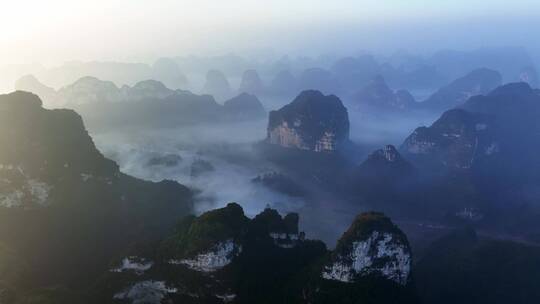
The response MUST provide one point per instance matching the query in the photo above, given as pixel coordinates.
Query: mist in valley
(267, 152)
(229, 148)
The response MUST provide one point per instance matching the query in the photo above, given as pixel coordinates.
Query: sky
(54, 31)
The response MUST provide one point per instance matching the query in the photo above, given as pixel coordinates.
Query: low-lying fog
(227, 148)
(170, 154)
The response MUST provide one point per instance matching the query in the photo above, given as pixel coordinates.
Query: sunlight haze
(50, 32)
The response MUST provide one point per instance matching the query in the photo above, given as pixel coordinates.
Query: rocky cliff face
(233, 256)
(313, 122)
(477, 82)
(386, 160)
(515, 108)
(210, 242)
(483, 152)
(497, 130)
(457, 140)
(373, 245)
(217, 257)
(376, 95)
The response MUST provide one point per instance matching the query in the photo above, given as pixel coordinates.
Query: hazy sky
(52, 31)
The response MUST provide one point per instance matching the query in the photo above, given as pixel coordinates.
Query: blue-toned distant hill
(148, 103)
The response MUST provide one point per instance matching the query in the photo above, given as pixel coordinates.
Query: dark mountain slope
(65, 208)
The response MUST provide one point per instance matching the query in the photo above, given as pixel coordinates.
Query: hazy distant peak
(516, 88)
(93, 81)
(477, 82)
(251, 82)
(30, 83)
(217, 85)
(245, 106)
(150, 84)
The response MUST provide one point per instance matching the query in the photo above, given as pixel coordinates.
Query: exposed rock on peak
(211, 241)
(234, 256)
(500, 129)
(313, 122)
(373, 246)
(456, 140)
(478, 82)
(388, 154)
(283, 230)
(251, 83)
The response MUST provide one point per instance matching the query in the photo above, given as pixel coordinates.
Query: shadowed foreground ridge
(56, 190)
(268, 260)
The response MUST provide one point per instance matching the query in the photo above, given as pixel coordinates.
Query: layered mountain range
(496, 130)
(376, 95)
(105, 237)
(104, 105)
(57, 188)
(476, 82)
(476, 159)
